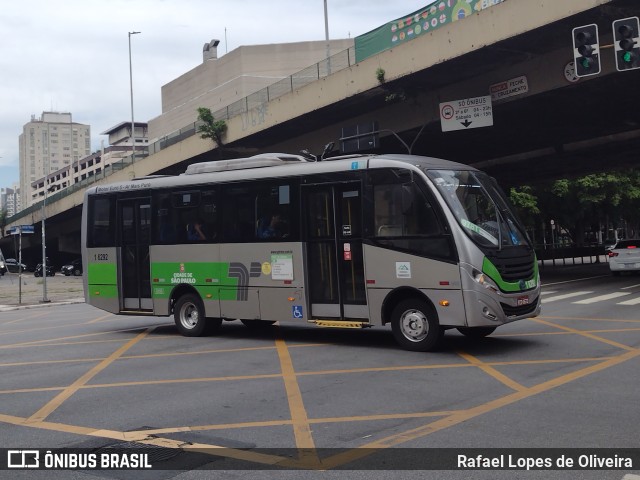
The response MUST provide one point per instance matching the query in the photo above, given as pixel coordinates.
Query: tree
(592, 203)
(211, 128)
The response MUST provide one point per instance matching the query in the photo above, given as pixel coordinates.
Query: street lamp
(326, 35)
(44, 243)
(133, 125)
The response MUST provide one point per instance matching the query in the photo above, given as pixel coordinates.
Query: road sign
(18, 229)
(509, 88)
(467, 113)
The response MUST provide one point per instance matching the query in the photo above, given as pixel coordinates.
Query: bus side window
(102, 228)
(274, 212)
(238, 214)
(166, 230)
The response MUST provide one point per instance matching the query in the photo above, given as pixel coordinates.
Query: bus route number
(101, 257)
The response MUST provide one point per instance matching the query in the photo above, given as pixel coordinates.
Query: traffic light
(586, 50)
(625, 36)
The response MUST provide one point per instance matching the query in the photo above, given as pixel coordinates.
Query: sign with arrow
(467, 113)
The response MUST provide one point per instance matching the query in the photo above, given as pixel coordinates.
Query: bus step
(340, 323)
(136, 312)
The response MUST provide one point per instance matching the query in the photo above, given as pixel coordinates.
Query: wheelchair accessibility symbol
(296, 311)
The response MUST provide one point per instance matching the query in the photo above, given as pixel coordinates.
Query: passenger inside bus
(271, 226)
(195, 232)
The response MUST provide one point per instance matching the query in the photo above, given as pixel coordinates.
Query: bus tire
(415, 326)
(257, 324)
(189, 316)
(476, 332)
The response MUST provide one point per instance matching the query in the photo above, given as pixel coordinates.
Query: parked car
(50, 270)
(73, 268)
(3, 267)
(13, 265)
(625, 257)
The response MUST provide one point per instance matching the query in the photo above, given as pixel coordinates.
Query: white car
(625, 257)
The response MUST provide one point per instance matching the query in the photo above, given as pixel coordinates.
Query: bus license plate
(523, 301)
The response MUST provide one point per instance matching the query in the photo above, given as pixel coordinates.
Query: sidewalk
(60, 289)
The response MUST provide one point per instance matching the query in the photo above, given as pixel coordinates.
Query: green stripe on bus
(103, 291)
(210, 279)
(102, 273)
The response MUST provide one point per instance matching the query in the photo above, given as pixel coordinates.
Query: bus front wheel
(415, 326)
(190, 318)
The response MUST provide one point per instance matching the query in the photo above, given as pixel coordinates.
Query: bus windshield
(480, 207)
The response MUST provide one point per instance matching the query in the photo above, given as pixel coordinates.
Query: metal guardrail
(569, 255)
(324, 68)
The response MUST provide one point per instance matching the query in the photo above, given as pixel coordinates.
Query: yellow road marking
(300, 421)
(464, 415)
(299, 418)
(278, 375)
(84, 335)
(59, 399)
(99, 319)
(489, 370)
(590, 319)
(586, 334)
(31, 317)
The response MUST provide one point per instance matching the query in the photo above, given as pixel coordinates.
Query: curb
(25, 306)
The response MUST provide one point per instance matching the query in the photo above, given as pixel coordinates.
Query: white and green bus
(417, 243)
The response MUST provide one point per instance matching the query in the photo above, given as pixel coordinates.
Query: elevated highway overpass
(556, 127)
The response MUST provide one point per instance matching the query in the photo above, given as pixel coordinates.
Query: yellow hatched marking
(489, 370)
(585, 334)
(59, 399)
(464, 415)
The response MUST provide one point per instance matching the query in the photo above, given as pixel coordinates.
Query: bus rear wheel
(190, 319)
(415, 325)
(476, 332)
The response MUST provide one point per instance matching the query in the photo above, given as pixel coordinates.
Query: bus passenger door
(134, 218)
(333, 233)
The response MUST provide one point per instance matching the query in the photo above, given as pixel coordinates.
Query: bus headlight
(483, 280)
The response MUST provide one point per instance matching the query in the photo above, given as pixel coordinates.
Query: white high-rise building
(48, 144)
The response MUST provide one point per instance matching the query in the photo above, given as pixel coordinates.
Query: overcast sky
(72, 55)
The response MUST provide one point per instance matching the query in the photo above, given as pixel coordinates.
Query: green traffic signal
(586, 63)
(586, 50)
(626, 32)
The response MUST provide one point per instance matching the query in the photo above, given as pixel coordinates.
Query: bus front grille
(515, 264)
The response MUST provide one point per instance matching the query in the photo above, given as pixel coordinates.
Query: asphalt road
(286, 401)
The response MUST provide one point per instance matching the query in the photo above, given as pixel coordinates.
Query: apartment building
(47, 144)
(94, 165)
